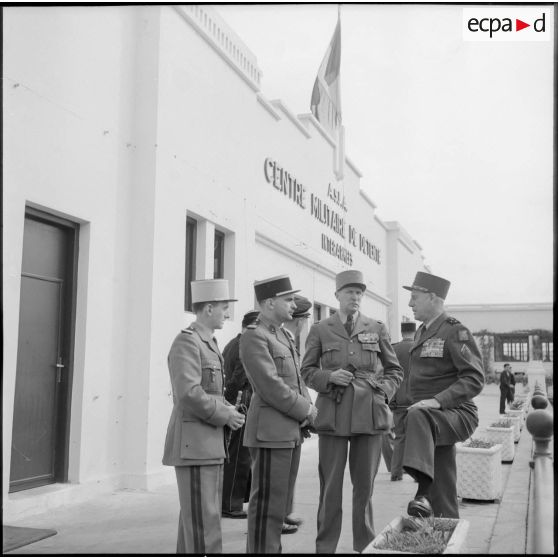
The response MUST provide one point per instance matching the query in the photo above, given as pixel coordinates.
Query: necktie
(349, 325)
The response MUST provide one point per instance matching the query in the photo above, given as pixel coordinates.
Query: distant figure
(445, 373)
(236, 474)
(507, 387)
(402, 399)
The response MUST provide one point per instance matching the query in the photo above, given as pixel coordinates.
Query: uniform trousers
(236, 474)
(364, 458)
(430, 435)
(399, 414)
(199, 525)
(274, 472)
(505, 395)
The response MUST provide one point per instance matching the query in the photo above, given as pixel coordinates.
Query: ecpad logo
(507, 24)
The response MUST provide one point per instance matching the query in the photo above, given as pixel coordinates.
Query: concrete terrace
(138, 522)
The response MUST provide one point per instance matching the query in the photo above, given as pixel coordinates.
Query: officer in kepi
(195, 444)
(445, 373)
(280, 408)
(343, 359)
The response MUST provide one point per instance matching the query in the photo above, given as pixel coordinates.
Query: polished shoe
(234, 514)
(291, 520)
(396, 477)
(419, 507)
(288, 529)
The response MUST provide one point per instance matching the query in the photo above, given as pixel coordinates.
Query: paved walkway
(137, 522)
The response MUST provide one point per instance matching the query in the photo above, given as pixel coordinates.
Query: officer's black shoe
(234, 514)
(288, 529)
(419, 507)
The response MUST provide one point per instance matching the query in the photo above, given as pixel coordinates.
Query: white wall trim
(309, 117)
(268, 106)
(274, 245)
(278, 103)
(226, 43)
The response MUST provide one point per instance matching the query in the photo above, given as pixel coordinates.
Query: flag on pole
(326, 95)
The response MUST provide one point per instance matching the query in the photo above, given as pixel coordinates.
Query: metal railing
(540, 424)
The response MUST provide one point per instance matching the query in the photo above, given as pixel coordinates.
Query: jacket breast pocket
(211, 380)
(370, 354)
(331, 356)
(282, 361)
(199, 440)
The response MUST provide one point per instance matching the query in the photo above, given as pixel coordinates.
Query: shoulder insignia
(452, 321)
(463, 335)
(251, 326)
(188, 330)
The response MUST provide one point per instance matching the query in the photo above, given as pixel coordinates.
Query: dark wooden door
(42, 381)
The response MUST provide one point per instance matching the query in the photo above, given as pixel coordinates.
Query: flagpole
(340, 148)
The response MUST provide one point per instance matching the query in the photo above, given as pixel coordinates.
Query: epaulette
(382, 323)
(452, 321)
(188, 330)
(254, 324)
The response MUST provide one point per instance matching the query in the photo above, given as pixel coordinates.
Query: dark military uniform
(280, 403)
(357, 414)
(399, 405)
(507, 389)
(236, 477)
(194, 443)
(445, 364)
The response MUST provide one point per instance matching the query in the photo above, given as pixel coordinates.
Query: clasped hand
(341, 377)
(236, 420)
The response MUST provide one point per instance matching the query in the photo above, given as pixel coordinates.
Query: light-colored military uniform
(195, 440)
(445, 364)
(357, 413)
(279, 404)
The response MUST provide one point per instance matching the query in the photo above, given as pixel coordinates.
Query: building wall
(504, 318)
(127, 120)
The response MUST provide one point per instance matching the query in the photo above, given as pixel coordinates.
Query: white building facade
(140, 153)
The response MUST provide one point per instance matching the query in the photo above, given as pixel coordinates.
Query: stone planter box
(516, 423)
(456, 543)
(517, 413)
(479, 472)
(503, 436)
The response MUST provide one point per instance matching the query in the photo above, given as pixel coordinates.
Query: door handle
(59, 367)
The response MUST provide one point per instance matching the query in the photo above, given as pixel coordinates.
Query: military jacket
(195, 432)
(446, 364)
(402, 352)
(361, 407)
(280, 400)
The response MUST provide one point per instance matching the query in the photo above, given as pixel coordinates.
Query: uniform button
(352, 353)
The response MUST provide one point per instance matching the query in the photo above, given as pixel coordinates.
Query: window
(547, 351)
(514, 348)
(218, 255)
(191, 239)
(317, 312)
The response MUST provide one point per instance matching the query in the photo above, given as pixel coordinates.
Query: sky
(453, 137)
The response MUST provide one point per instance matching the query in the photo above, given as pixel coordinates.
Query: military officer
(445, 373)
(194, 444)
(280, 407)
(401, 400)
(341, 362)
(236, 475)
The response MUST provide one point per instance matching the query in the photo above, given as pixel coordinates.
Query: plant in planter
(412, 535)
(502, 432)
(479, 469)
